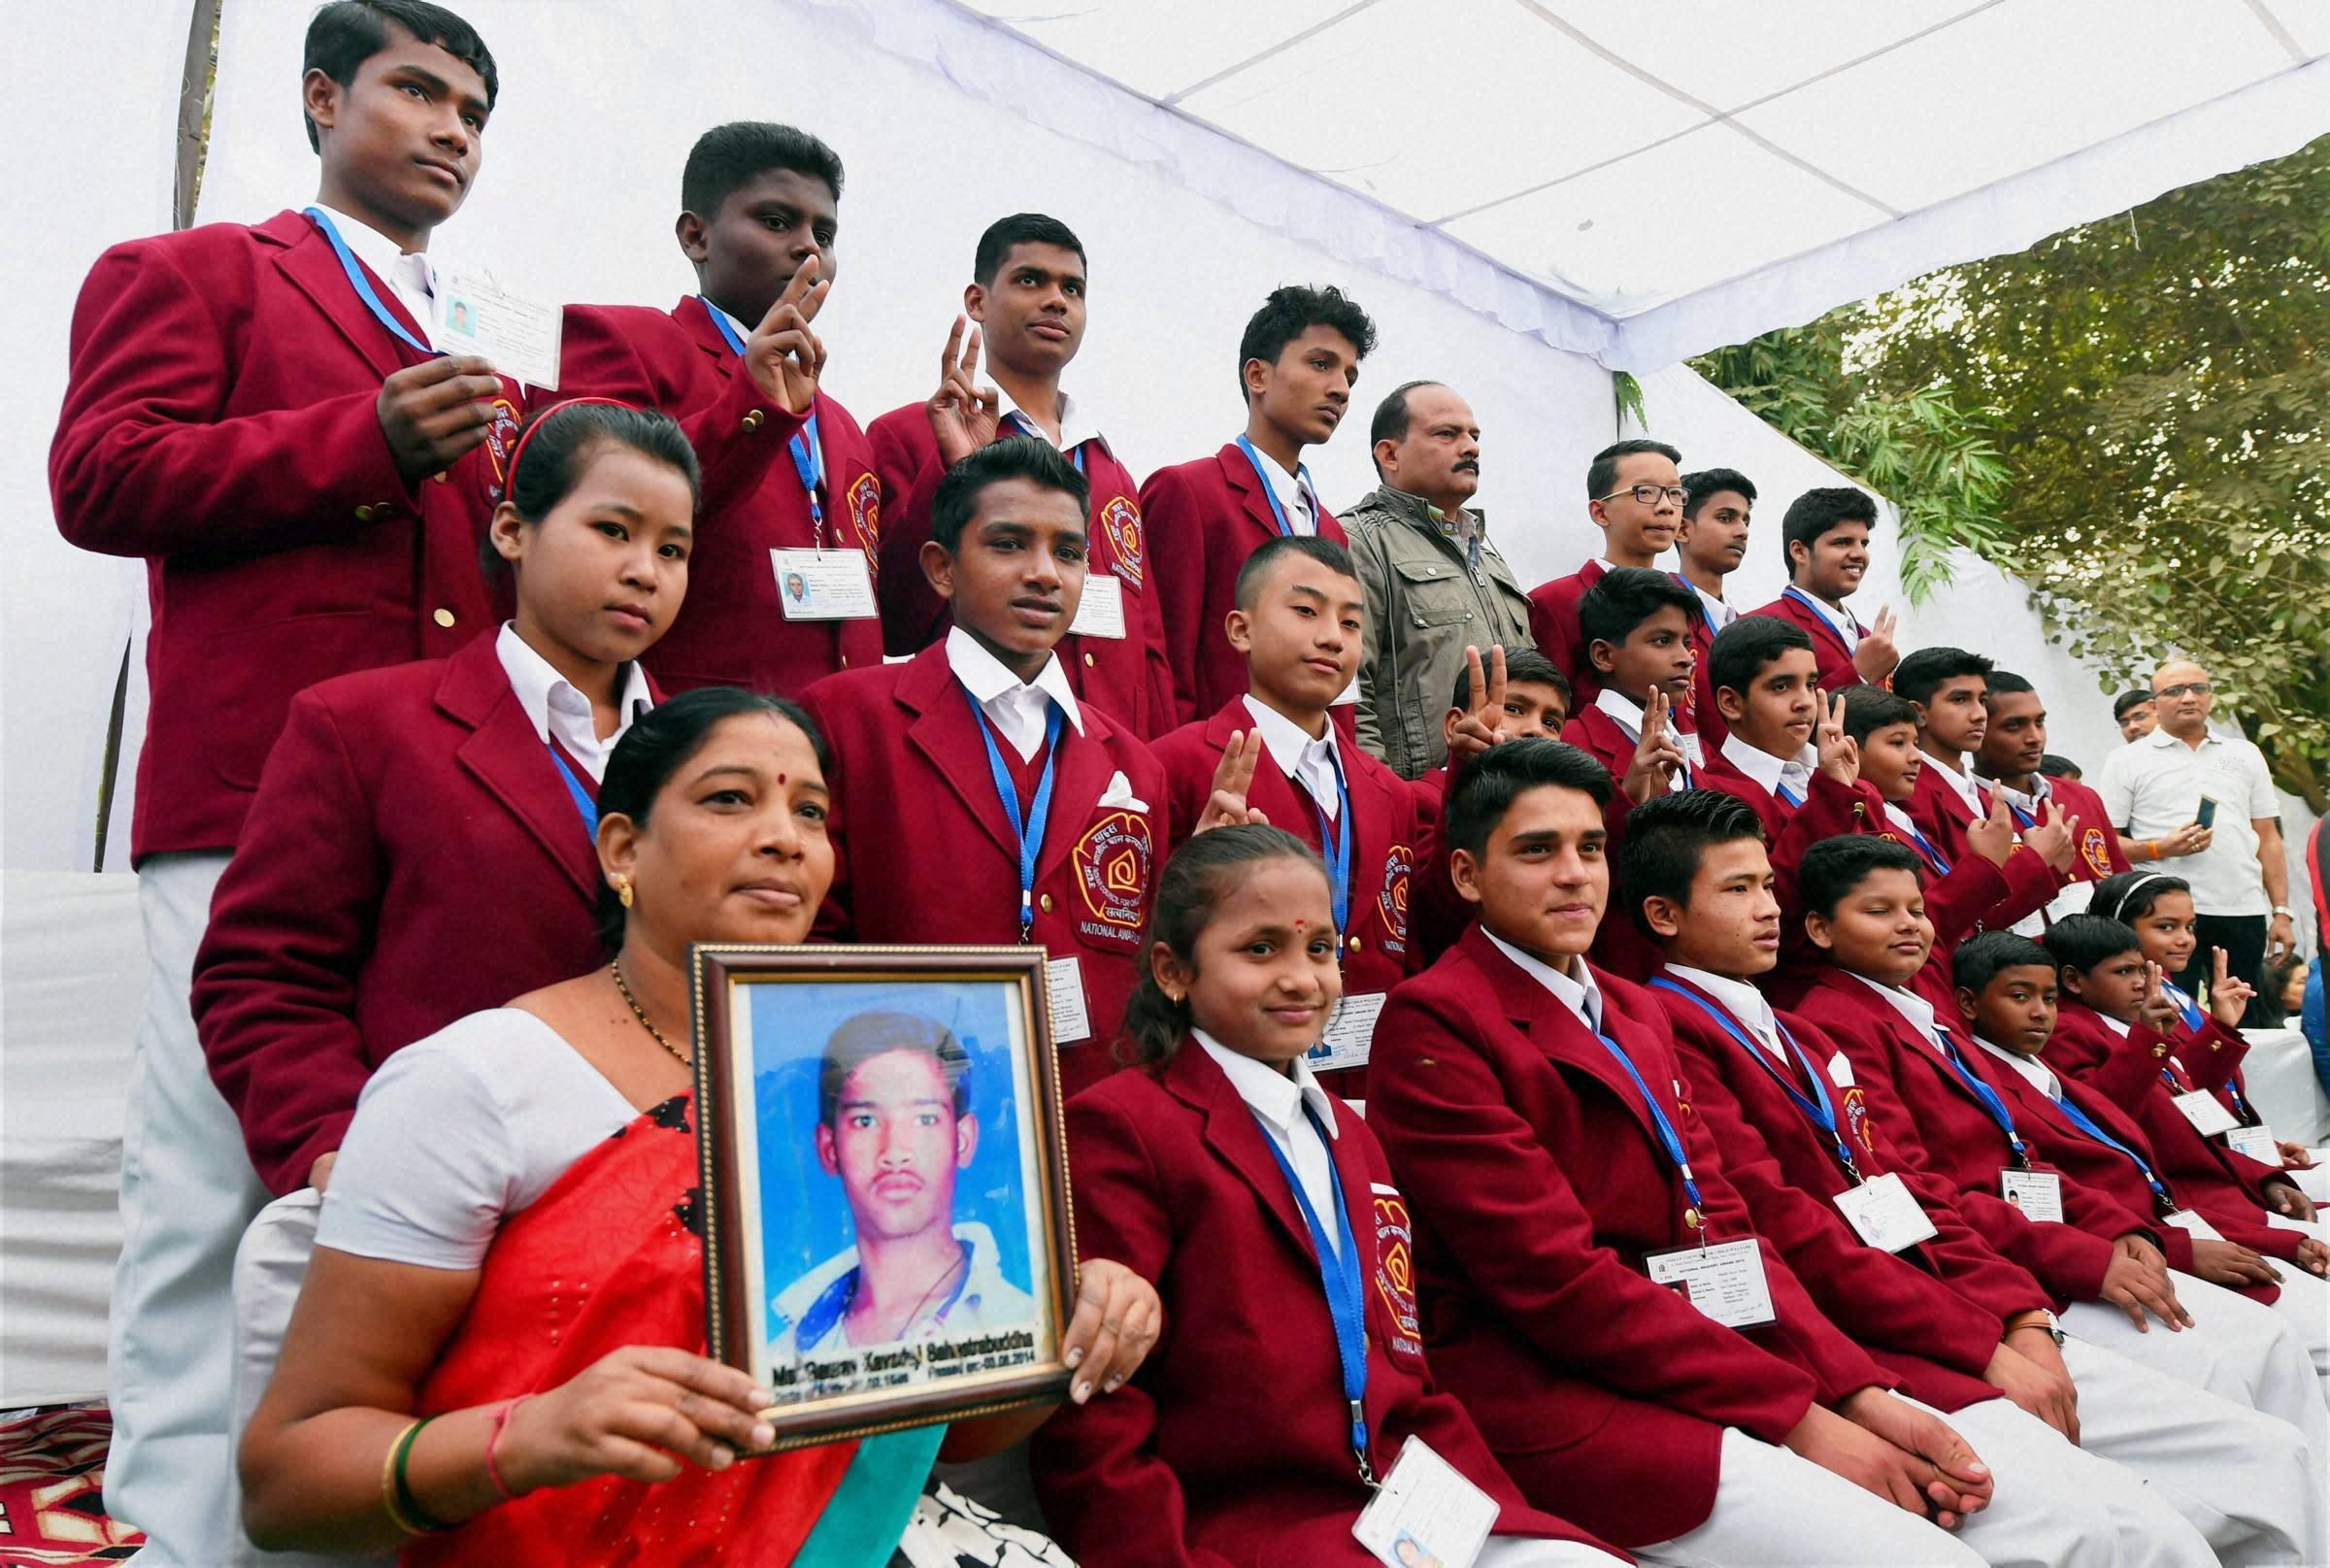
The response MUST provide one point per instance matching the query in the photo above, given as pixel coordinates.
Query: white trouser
(2054, 1505)
(2314, 1181)
(1776, 1510)
(2236, 1347)
(2244, 1479)
(188, 1190)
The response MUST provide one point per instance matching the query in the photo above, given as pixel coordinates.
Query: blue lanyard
(809, 456)
(1695, 1215)
(2186, 1008)
(1030, 830)
(1820, 1112)
(1027, 427)
(1336, 838)
(1339, 1271)
(1983, 1091)
(589, 807)
(363, 285)
(1270, 494)
(1783, 793)
(1925, 847)
(2086, 1124)
(2022, 819)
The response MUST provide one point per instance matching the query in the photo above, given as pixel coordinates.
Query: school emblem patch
(865, 515)
(1392, 899)
(2095, 852)
(1856, 1120)
(1112, 873)
(1395, 1269)
(1120, 521)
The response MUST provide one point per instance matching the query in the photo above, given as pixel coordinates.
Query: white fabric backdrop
(114, 71)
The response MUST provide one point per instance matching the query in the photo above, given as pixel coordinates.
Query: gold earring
(623, 889)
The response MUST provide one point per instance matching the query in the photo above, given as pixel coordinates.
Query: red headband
(545, 418)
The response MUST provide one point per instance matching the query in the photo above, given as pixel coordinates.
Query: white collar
(2042, 790)
(1293, 495)
(374, 248)
(1909, 1004)
(1767, 770)
(1899, 816)
(1843, 619)
(1283, 739)
(2159, 739)
(2034, 1070)
(540, 687)
(1741, 1000)
(1622, 708)
(983, 676)
(1075, 426)
(1578, 992)
(1719, 613)
(2109, 1022)
(1960, 779)
(1279, 1099)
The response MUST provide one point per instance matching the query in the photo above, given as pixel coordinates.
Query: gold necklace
(617, 970)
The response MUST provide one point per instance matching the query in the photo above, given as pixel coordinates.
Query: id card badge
(2208, 1114)
(1100, 613)
(2192, 1224)
(1426, 1512)
(1350, 1032)
(1064, 991)
(823, 584)
(2038, 1195)
(1724, 1280)
(476, 316)
(1885, 1214)
(2257, 1142)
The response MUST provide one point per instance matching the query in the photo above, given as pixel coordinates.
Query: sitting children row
(1506, 1090)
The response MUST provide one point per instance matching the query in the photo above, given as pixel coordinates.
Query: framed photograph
(887, 1240)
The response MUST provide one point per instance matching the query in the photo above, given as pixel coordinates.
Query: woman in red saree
(508, 1245)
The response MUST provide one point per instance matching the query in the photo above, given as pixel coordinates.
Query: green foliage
(2130, 417)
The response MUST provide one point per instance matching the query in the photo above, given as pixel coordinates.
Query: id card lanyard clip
(1028, 829)
(1340, 1273)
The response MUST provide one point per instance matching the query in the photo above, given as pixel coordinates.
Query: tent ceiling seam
(1173, 100)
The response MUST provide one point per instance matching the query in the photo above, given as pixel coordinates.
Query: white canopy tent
(1523, 193)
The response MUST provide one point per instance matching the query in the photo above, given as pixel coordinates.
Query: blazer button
(752, 420)
(1087, 658)
(363, 513)
(1355, 943)
(440, 477)
(442, 617)
(1043, 903)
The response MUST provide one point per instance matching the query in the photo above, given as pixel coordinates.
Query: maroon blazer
(1942, 817)
(398, 806)
(732, 630)
(1831, 658)
(1934, 1313)
(1952, 1135)
(1375, 948)
(923, 850)
(2222, 1185)
(1130, 676)
(1553, 629)
(1232, 1444)
(222, 423)
(1538, 1184)
(1590, 729)
(1205, 517)
(1703, 714)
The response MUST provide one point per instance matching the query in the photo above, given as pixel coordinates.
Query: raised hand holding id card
(519, 335)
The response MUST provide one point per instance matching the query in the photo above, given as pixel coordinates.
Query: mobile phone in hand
(2206, 815)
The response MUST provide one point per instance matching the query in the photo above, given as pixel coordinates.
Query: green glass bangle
(415, 1518)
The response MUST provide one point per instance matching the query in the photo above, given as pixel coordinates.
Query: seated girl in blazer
(1223, 1171)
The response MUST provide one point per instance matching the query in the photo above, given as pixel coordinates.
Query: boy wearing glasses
(2205, 800)
(1634, 493)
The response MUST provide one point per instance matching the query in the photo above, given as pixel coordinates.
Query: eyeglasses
(1648, 494)
(2199, 689)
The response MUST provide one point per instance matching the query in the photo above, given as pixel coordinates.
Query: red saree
(609, 1256)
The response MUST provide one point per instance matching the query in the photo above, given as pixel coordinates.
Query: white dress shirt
(407, 273)
(1278, 1100)
(557, 709)
(1077, 427)
(1575, 991)
(1719, 613)
(1295, 495)
(2034, 1070)
(1018, 709)
(1838, 617)
(1315, 764)
(1747, 1006)
(1772, 772)
(1909, 1004)
(1629, 714)
(1961, 782)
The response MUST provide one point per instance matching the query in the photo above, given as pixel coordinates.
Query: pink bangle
(493, 1442)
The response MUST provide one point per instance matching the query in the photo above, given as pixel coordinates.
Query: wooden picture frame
(843, 1093)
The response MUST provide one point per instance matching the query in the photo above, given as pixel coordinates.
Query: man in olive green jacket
(1435, 584)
